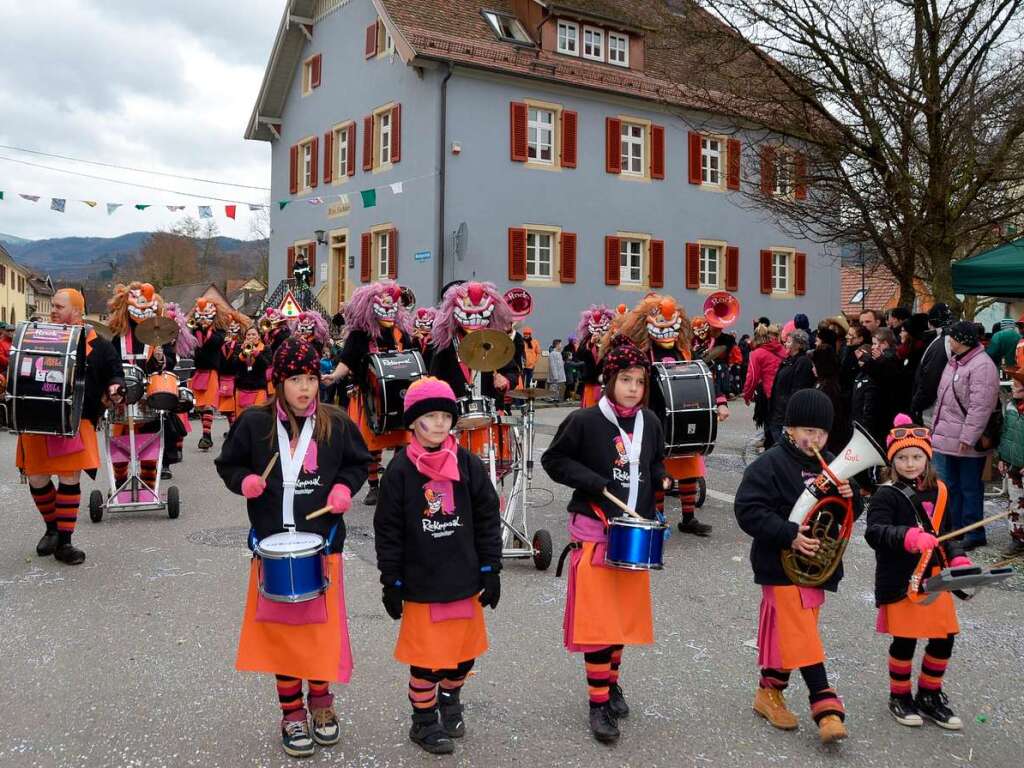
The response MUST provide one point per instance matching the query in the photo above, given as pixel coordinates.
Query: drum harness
(926, 523)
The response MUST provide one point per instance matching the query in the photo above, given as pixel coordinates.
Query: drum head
(683, 396)
(290, 543)
(46, 378)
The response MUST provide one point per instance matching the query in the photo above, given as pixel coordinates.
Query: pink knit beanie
(428, 394)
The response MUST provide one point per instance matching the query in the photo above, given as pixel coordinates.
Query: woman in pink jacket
(765, 359)
(967, 395)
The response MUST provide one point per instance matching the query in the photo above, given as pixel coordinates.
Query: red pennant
(229, 211)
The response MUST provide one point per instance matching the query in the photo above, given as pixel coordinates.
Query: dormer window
(593, 43)
(569, 38)
(618, 49)
(507, 28)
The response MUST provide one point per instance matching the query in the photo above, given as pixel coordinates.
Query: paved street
(127, 660)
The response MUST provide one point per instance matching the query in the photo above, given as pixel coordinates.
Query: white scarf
(291, 465)
(632, 446)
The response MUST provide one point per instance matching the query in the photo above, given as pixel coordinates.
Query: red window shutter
(694, 152)
(732, 268)
(733, 154)
(328, 157)
(766, 271)
(368, 143)
(613, 156)
(800, 172)
(396, 133)
(516, 253)
(692, 265)
(293, 173)
(570, 128)
(393, 254)
(567, 260)
(800, 273)
(365, 246)
(314, 154)
(657, 152)
(291, 260)
(371, 40)
(612, 265)
(352, 149)
(517, 131)
(767, 170)
(311, 257)
(317, 73)
(657, 263)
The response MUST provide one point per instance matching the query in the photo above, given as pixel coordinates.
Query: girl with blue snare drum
(615, 446)
(312, 458)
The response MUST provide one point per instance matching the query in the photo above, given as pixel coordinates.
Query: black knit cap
(295, 357)
(623, 354)
(964, 332)
(809, 408)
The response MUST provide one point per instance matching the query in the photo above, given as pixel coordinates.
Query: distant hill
(9, 241)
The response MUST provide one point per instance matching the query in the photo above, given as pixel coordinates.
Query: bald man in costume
(41, 457)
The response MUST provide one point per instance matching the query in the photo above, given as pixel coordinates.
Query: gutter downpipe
(440, 270)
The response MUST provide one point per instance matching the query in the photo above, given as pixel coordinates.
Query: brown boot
(769, 704)
(831, 728)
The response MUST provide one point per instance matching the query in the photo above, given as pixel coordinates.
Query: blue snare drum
(635, 544)
(292, 567)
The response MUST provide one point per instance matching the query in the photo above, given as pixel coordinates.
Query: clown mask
(205, 313)
(385, 306)
(306, 328)
(598, 324)
(473, 310)
(141, 304)
(664, 323)
(424, 323)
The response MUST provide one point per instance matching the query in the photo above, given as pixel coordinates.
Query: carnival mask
(423, 323)
(385, 306)
(664, 323)
(473, 311)
(205, 313)
(598, 324)
(141, 304)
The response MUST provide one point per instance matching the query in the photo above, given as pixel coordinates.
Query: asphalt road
(127, 660)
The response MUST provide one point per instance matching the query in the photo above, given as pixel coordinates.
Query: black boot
(165, 474)
(371, 497)
(933, 705)
(48, 544)
(603, 725)
(691, 525)
(430, 734)
(205, 443)
(68, 553)
(451, 713)
(617, 702)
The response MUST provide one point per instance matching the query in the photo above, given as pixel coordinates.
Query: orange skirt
(439, 644)
(907, 619)
(305, 651)
(685, 467)
(32, 457)
(227, 404)
(209, 397)
(788, 636)
(591, 395)
(608, 606)
(374, 442)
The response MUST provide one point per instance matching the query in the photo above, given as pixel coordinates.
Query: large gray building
(556, 147)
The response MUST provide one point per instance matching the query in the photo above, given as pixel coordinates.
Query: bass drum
(46, 379)
(388, 377)
(683, 396)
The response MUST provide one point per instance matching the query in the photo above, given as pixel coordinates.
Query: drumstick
(318, 513)
(270, 466)
(618, 503)
(972, 526)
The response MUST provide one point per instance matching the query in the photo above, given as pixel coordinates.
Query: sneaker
(694, 527)
(603, 725)
(430, 734)
(47, 545)
(371, 497)
(295, 738)
(903, 709)
(326, 729)
(770, 704)
(617, 702)
(933, 705)
(205, 443)
(69, 554)
(451, 713)
(831, 729)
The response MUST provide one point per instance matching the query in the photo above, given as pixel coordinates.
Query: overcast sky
(162, 86)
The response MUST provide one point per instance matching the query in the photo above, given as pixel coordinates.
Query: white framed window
(569, 38)
(711, 160)
(541, 135)
(631, 261)
(710, 266)
(307, 77)
(384, 142)
(306, 169)
(507, 28)
(783, 174)
(781, 280)
(342, 147)
(618, 49)
(593, 43)
(540, 250)
(383, 252)
(385, 43)
(632, 148)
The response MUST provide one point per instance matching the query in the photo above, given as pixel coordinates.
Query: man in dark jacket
(795, 373)
(933, 362)
(885, 370)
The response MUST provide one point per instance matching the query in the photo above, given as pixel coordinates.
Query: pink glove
(960, 561)
(253, 486)
(339, 499)
(918, 540)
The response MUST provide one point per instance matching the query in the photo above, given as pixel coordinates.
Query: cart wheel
(173, 503)
(96, 506)
(702, 492)
(542, 550)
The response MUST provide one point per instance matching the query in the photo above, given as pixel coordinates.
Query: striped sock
(289, 694)
(613, 676)
(45, 499)
(776, 679)
(598, 665)
(901, 665)
(826, 702)
(422, 689)
(452, 680)
(932, 671)
(320, 696)
(688, 497)
(68, 499)
(207, 423)
(374, 470)
(147, 472)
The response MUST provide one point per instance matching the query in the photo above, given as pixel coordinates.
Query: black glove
(491, 592)
(392, 599)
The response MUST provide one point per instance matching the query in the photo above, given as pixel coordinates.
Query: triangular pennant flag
(256, 207)
(229, 211)
(1, 194)
(57, 204)
(398, 187)
(90, 203)
(30, 198)
(142, 206)
(111, 207)
(281, 204)
(175, 208)
(369, 198)
(205, 212)
(289, 306)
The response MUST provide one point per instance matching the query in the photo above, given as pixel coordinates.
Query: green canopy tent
(998, 272)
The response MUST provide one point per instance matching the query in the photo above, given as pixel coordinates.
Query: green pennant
(281, 204)
(369, 198)
(142, 206)
(1, 194)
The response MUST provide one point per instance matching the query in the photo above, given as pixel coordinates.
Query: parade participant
(438, 539)
(787, 637)
(374, 317)
(420, 330)
(905, 517)
(616, 446)
(228, 363)
(40, 457)
(184, 348)
(208, 323)
(274, 328)
(312, 327)
(251, 366)
(594, 324)
(320, 462)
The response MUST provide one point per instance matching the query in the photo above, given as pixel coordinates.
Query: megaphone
(721, 309)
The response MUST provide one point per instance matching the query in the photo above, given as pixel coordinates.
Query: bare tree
(167, 259)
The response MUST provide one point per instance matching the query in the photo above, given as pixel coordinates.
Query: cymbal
(532, 393)
(486, 350)
(157, 331)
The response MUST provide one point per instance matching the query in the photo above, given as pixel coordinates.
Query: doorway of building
(339, 261)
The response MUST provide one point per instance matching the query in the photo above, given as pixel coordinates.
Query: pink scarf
(440, 466)
(621, 411)
(309, 461)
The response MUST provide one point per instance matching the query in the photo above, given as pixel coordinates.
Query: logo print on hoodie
(434, 501)
(620, 447)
